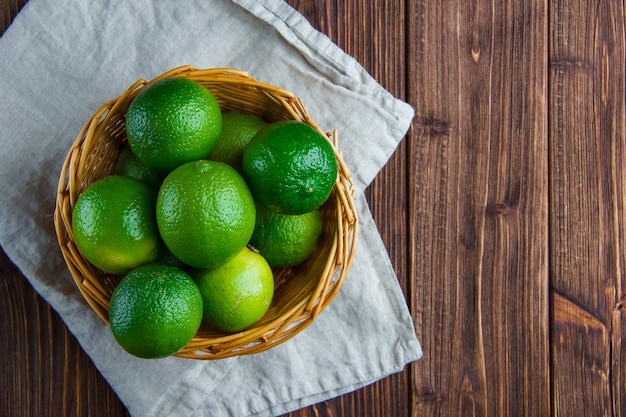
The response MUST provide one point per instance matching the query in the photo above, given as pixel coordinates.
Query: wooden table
(502, 211)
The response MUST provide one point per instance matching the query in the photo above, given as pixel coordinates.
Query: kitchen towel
(59, 61)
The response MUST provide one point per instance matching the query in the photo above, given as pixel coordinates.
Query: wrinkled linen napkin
(59, 61)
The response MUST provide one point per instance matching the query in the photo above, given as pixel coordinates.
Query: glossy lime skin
(205, 213)
(238, 294)
(114, 224)
(286, 239)
(290, 167)
(173, 121)
(155, 311)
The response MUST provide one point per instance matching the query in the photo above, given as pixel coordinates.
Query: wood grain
(8, 10)
(587, 206)
(479, 195)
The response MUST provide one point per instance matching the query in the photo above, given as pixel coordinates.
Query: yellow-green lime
(237, 294)
(155, 311)
(205, 213)
(115, 226)
(286, 239)
(290, 167)
(173, 121)
(128, 164)
(237, 130)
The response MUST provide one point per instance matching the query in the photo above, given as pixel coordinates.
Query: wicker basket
(301, 292)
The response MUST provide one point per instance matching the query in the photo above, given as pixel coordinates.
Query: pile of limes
(204, 203)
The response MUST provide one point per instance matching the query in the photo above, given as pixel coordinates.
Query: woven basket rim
(236, 86)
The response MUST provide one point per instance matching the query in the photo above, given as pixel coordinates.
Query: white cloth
(59, 61)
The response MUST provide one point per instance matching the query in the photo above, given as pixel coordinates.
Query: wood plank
(587, 191)
(480, 229)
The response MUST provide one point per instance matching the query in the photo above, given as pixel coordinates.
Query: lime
(237, 294)
(173, 121)
(290, 167)
(285, 239)
(115, 226)
(237, 130)
(205, 213)
(128, 164)
(155, 311)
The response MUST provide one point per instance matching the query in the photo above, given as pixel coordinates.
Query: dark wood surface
(502, 211)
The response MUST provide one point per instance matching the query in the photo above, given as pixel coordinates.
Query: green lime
(128, 164)
(237, 294)
(205, 213)
(115, 226)
(286, 239)
(290, 167)
(155, 311)
(173, 121)
(237, 131)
